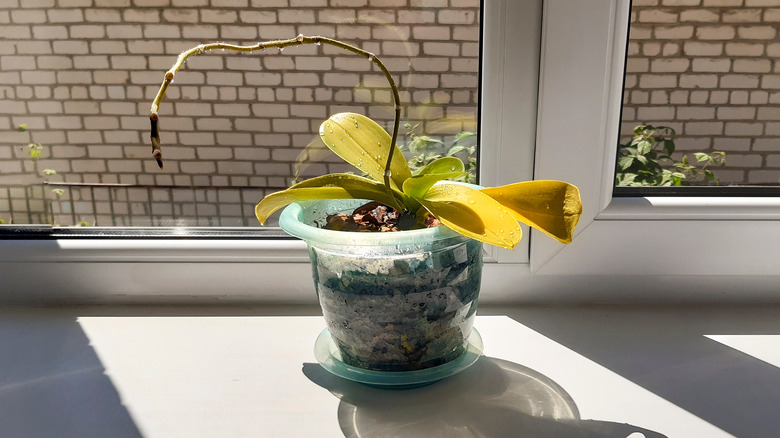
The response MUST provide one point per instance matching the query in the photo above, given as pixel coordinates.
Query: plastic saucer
(328, 355)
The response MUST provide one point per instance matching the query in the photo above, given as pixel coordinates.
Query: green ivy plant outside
(640, 161)
(488, 215)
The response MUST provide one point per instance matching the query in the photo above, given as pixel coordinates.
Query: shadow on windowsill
(52, 383)
(493, 398)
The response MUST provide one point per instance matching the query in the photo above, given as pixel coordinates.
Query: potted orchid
(401, 299)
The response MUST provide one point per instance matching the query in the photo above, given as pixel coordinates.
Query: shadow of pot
(493, 398)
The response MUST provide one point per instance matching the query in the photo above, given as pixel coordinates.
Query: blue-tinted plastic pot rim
(291, 222)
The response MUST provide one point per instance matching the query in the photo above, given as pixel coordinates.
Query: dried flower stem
(280, 44)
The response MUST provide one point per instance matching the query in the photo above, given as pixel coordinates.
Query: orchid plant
(489, 215)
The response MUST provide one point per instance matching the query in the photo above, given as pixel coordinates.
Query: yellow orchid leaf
(473, 214)
(443, 165)
(335, 186)
(553, 207)
(418, 185)
(364, 144)
(435, 171)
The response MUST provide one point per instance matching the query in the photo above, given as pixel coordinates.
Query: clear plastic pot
(393, 301)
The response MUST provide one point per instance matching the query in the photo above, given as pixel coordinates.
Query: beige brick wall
(709, 69)
(82, 73)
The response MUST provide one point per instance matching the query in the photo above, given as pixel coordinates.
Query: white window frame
(645, 248)
(625, 249)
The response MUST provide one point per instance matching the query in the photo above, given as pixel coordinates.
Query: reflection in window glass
(708, 71)
(77, 81)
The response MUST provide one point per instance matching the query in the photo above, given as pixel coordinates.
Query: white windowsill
(691, 208)
(210, 371)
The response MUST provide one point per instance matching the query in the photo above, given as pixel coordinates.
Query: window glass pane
(709, 71)
(78, 78)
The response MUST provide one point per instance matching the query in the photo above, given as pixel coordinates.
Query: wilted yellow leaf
(334, 186)
(473, 214)
(553, 207)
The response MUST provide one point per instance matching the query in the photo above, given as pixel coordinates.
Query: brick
(161, 31)
(90, 62)
(107, 47)
(704, 128)
(257, 17)
(193, 109)
(731, 144)
(32, 47)
(761, 3)
(197, 167)
(145, 47)
(711, 65)
(300, 80)
(695, 113)
(87, 31)
(657, 81)
(657, 16)
(124, 31)
(744, 49)
(771, 15)
(74, 77)
(17, 62)
(238, 32)
(721, 3)
(698, 81)
(141, 15)
(446, 16)
(200, 32)
(416, 17)
(38, 77)
(233, 167)
(656, 113)
(50, 32)
(180, 15)
(70, 47)
(128, 62)
(674, 32)
(428, 3)
(218, 16)
(742, 16)
(759, 97)
(699, 16)
(231, 109)
(671, 49)
(694, 48)
(81, 136)
(768, 113)
(28, 16)
(272, 169)
(744, 129)
(61, 15)
(757, 32)
(102, 15)
(670, 65)
(736, 113)
(44, 107)
(715, 32)
(295, 16)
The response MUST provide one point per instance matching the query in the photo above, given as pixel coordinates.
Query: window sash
(625, 249)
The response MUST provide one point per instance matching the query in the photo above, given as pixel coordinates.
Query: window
(705, 70)
(78, 81)
(641, 248)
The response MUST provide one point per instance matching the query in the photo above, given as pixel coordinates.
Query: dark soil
(373, 217)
